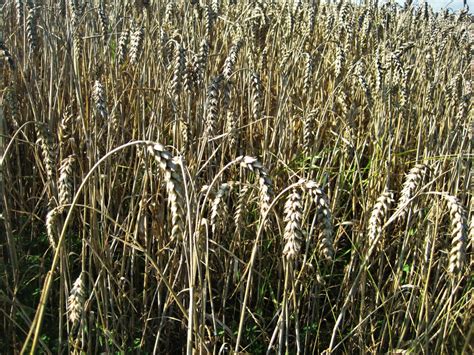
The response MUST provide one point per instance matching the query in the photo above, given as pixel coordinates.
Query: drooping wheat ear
(31, 30)
(98, 95)
(293, 233)
(5, 55)
(360, 75)
(257, 99)
(411, 185)
(377, 217)
(219, 208)
(51, 224)
(122, 46)
(179, 65)
(323, 218)
(231, 59)
(200, 61)
(174, 186)
(103, 20)
(44, 140)
(212, 105)
(75, 301)
(340, 61)
(136, 44)
(240, 207)
(457, 254)
(308, 73)
(64, 181)
(308, 131)
(264, 181)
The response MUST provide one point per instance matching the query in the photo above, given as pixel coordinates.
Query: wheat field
(235, 177)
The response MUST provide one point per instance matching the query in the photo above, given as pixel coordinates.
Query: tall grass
(231, 176)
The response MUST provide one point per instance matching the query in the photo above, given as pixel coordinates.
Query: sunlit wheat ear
(471, 233)
(257, 100)
(340, 61)
(411, 185)
(75, 301)
(65, 128)
(103, 20)
(403, 89)
(208, 22)
(64, 181)
(308, 131)
(377, 217)
(179, 66)
(215, 6)
(263, 60)
(200, 61)
(310, 20)
(457, 254)
(212, 105)
(463, 108)
(136, 44)
(264, 181)
(308, 74)
(19, 12)
(324, 219)
(219, 208)
(98, 95)
(231, 129)
(31, 26)
(240, 206)
(122, 47)
(379, 72)
(293, 234)
(189, 78)
(169, 12)
(360, 75)
(44, 140)
(174, 187)
(51, 220)
(231, 59)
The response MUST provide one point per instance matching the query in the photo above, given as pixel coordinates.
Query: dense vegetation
(237, 176)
